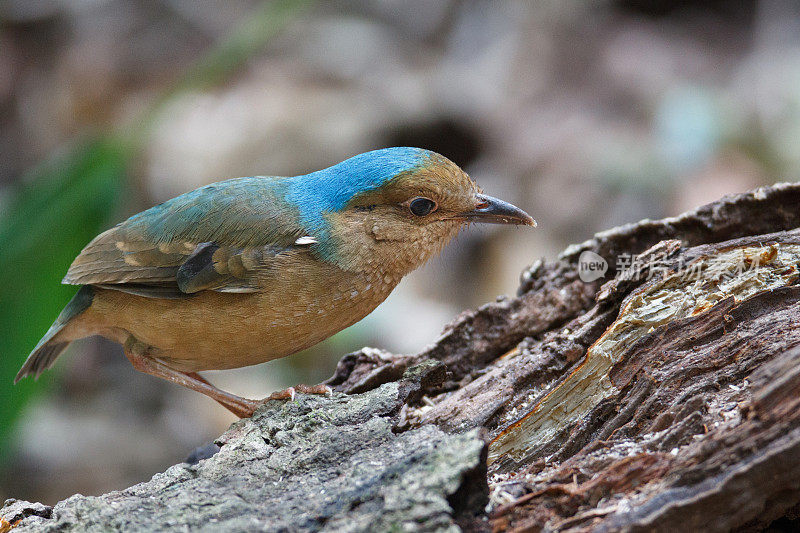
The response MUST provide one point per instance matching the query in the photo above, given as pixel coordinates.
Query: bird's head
(397, 207)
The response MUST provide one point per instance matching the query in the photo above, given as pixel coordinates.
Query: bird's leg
(241, 407)
(286, 394)
(250, 405)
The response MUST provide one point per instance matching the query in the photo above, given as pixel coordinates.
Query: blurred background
(587, 114)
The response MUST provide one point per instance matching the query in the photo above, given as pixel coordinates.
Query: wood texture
(660, 398)
(684, 412)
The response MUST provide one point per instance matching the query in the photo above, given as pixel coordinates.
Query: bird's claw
(289, 393)
(314, 389)
(285, 394)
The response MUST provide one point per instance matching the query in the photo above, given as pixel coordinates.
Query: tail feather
(41, 359)
(50, 347)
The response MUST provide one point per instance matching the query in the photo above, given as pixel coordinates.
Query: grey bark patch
(314, 464)
(14, 510)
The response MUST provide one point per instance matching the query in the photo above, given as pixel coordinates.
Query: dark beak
(496, 211)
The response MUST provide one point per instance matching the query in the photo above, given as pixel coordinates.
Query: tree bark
(663, 395)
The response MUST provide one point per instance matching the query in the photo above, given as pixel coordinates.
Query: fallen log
(661, 395)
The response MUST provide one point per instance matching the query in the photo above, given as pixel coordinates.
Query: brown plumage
(249, 270)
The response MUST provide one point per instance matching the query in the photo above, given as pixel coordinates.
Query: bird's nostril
(482, 205)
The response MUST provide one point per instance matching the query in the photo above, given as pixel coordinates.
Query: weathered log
(314, 463)
(654, 398)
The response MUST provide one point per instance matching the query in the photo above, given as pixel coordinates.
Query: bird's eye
(422, 206)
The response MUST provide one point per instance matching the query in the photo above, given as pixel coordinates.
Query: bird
(248, 270)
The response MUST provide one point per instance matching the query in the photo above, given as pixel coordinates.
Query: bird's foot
(245, 408)
(288, 394)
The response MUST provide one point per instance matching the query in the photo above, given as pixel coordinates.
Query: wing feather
(224, 237)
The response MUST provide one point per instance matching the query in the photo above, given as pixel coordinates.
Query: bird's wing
(223, 237)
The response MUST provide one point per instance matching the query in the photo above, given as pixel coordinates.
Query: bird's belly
(214, 331)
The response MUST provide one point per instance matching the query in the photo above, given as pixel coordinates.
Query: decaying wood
(662, 397)
(647, 399)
